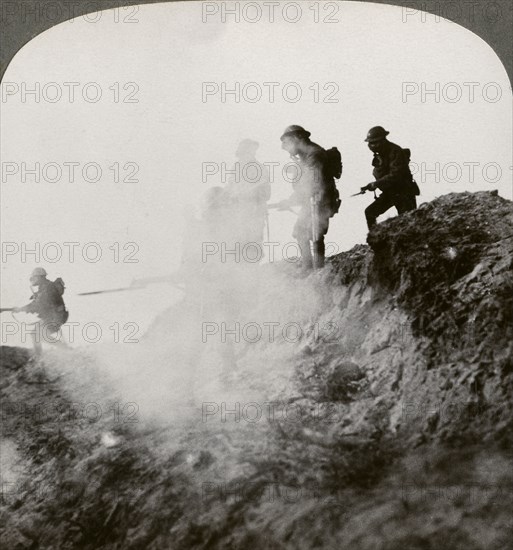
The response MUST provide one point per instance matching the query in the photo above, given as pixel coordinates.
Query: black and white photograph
(256, 275)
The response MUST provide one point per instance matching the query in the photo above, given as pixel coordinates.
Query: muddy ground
(387, 426)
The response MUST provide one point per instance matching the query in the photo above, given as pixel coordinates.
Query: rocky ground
(387, 426)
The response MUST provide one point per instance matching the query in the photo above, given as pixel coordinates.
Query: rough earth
(390, 424)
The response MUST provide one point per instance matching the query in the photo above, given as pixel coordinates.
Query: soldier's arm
(397, 172)
(31, 307)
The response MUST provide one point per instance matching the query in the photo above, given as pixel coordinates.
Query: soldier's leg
(405, 203)
(36, 337)
(319, 251)
(59, 339)
(319, 245)
(303, 233)
(50, 332)
(378, 207)
(303, 240)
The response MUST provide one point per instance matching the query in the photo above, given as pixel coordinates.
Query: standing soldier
(393, 177)
(248, 191)
(315, 191)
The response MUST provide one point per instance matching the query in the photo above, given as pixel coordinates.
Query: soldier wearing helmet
(313, 191)
(48, 305)
(392, 175)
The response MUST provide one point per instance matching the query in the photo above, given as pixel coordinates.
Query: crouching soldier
(314, 191)
(393, 177)
(47, 303)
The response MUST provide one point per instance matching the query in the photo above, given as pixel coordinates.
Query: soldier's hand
(370, 187)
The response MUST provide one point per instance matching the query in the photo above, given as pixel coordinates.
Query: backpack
(59, 285)
(414, 188)
(334, 162)
(334, 159)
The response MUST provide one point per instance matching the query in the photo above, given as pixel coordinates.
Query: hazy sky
(364, 58)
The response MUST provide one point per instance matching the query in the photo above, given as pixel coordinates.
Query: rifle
(279, 206)
(6, 309)
(105, 291)
(137, 284)
(364, 190)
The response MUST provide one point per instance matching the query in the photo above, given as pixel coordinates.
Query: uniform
(394, 179)
(48, 304)
(314, 183)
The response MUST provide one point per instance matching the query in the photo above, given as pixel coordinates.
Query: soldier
(248, 191)
(315, 191)
(49, 306)
(392, 174)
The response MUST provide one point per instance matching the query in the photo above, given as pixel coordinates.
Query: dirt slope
(390, 426)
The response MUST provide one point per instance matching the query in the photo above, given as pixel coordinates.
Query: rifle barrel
(137, 284)
(104, 291)
(281, 208)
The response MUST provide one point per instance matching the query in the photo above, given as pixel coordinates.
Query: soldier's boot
(406, 204)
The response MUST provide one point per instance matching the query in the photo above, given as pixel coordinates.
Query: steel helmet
(376, 133)
(295, 130)
(39, 272)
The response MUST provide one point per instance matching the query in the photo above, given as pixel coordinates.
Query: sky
(161, 120)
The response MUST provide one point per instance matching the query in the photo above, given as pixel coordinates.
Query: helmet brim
(370, 140)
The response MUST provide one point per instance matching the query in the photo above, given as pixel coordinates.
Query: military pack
(414, 187)
(59, 285)
(334, 170)
(334, 161)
